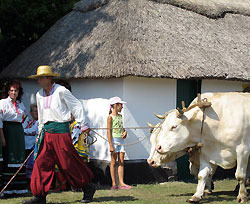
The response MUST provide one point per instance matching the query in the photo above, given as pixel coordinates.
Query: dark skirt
(1, 164)
(13, 157)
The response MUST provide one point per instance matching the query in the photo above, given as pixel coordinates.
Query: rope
(130, 144)
(202, 125)
(122, 128)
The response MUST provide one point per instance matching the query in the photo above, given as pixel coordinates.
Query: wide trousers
(58, 149)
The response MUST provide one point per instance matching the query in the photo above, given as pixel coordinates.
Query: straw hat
(44, 70)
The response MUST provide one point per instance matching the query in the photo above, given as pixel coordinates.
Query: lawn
(171, 192)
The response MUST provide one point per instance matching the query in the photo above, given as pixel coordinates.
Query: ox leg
(206, 169)
(209, 184)
(241, 172)
(237, 187)
(194, 170)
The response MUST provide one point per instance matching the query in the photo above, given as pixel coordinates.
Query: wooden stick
(183, 105)
(199, 97)
(16, 172)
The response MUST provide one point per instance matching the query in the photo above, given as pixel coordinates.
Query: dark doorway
(187, 90)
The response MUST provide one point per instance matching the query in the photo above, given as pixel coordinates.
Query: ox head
(171, 138)
(168, 138)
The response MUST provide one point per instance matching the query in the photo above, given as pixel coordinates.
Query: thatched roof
(117, 38)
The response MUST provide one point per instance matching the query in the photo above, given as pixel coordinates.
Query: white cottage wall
(94, 95)
(145, 96)
(220, 86)
(30, 87)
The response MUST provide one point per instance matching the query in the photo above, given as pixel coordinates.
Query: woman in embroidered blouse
(12, 114)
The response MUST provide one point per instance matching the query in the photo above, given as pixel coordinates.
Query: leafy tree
(22, 22)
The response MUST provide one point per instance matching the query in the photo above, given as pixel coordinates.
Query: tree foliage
(22, 22)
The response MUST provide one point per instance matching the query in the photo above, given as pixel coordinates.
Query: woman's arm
(109, 133)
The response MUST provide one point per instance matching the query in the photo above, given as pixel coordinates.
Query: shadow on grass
(220, 196)
(7, 196)
(104, 199)
(115, 198)
(213, 197)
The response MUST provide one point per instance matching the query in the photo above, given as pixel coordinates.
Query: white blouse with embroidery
(11, 111)
(30, 127)
(58, 106)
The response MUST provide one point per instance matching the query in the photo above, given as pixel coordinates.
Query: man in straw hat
(55, 104)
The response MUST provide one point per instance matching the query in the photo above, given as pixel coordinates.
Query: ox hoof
(242, 200)
(207, 192)
(193, 200)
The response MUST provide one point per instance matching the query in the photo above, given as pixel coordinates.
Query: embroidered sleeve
(33, 130)
(25, 122)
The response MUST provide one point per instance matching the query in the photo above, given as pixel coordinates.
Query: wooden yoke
(204, 103)
(201, 103)
(183, 105)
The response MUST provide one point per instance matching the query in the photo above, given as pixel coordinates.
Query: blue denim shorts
(121, 142)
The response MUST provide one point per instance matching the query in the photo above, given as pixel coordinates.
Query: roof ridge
(212, 8)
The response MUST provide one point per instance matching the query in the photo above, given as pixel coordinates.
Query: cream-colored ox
(221, 129)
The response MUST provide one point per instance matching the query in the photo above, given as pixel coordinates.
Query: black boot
(89, 191)
(36, 200)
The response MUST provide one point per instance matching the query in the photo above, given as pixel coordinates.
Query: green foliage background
(22, 22)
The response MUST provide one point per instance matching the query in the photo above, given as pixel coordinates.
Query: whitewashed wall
(220, 86)
(30, 87)
(144, 96)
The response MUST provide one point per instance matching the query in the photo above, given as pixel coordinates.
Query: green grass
(171, 192)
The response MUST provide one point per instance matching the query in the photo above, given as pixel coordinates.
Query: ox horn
(160, 116)
(150, 125)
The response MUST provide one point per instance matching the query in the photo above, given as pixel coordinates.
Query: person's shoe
(89, 191)
(126, 187)
(114, 188)
(36, 200)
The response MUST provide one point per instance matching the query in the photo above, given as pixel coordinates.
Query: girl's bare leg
(112, 167)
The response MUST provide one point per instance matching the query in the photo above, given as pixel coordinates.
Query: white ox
(225, 137)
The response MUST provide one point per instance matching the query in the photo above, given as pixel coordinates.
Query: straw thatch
(212, 8)
(117, 38)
